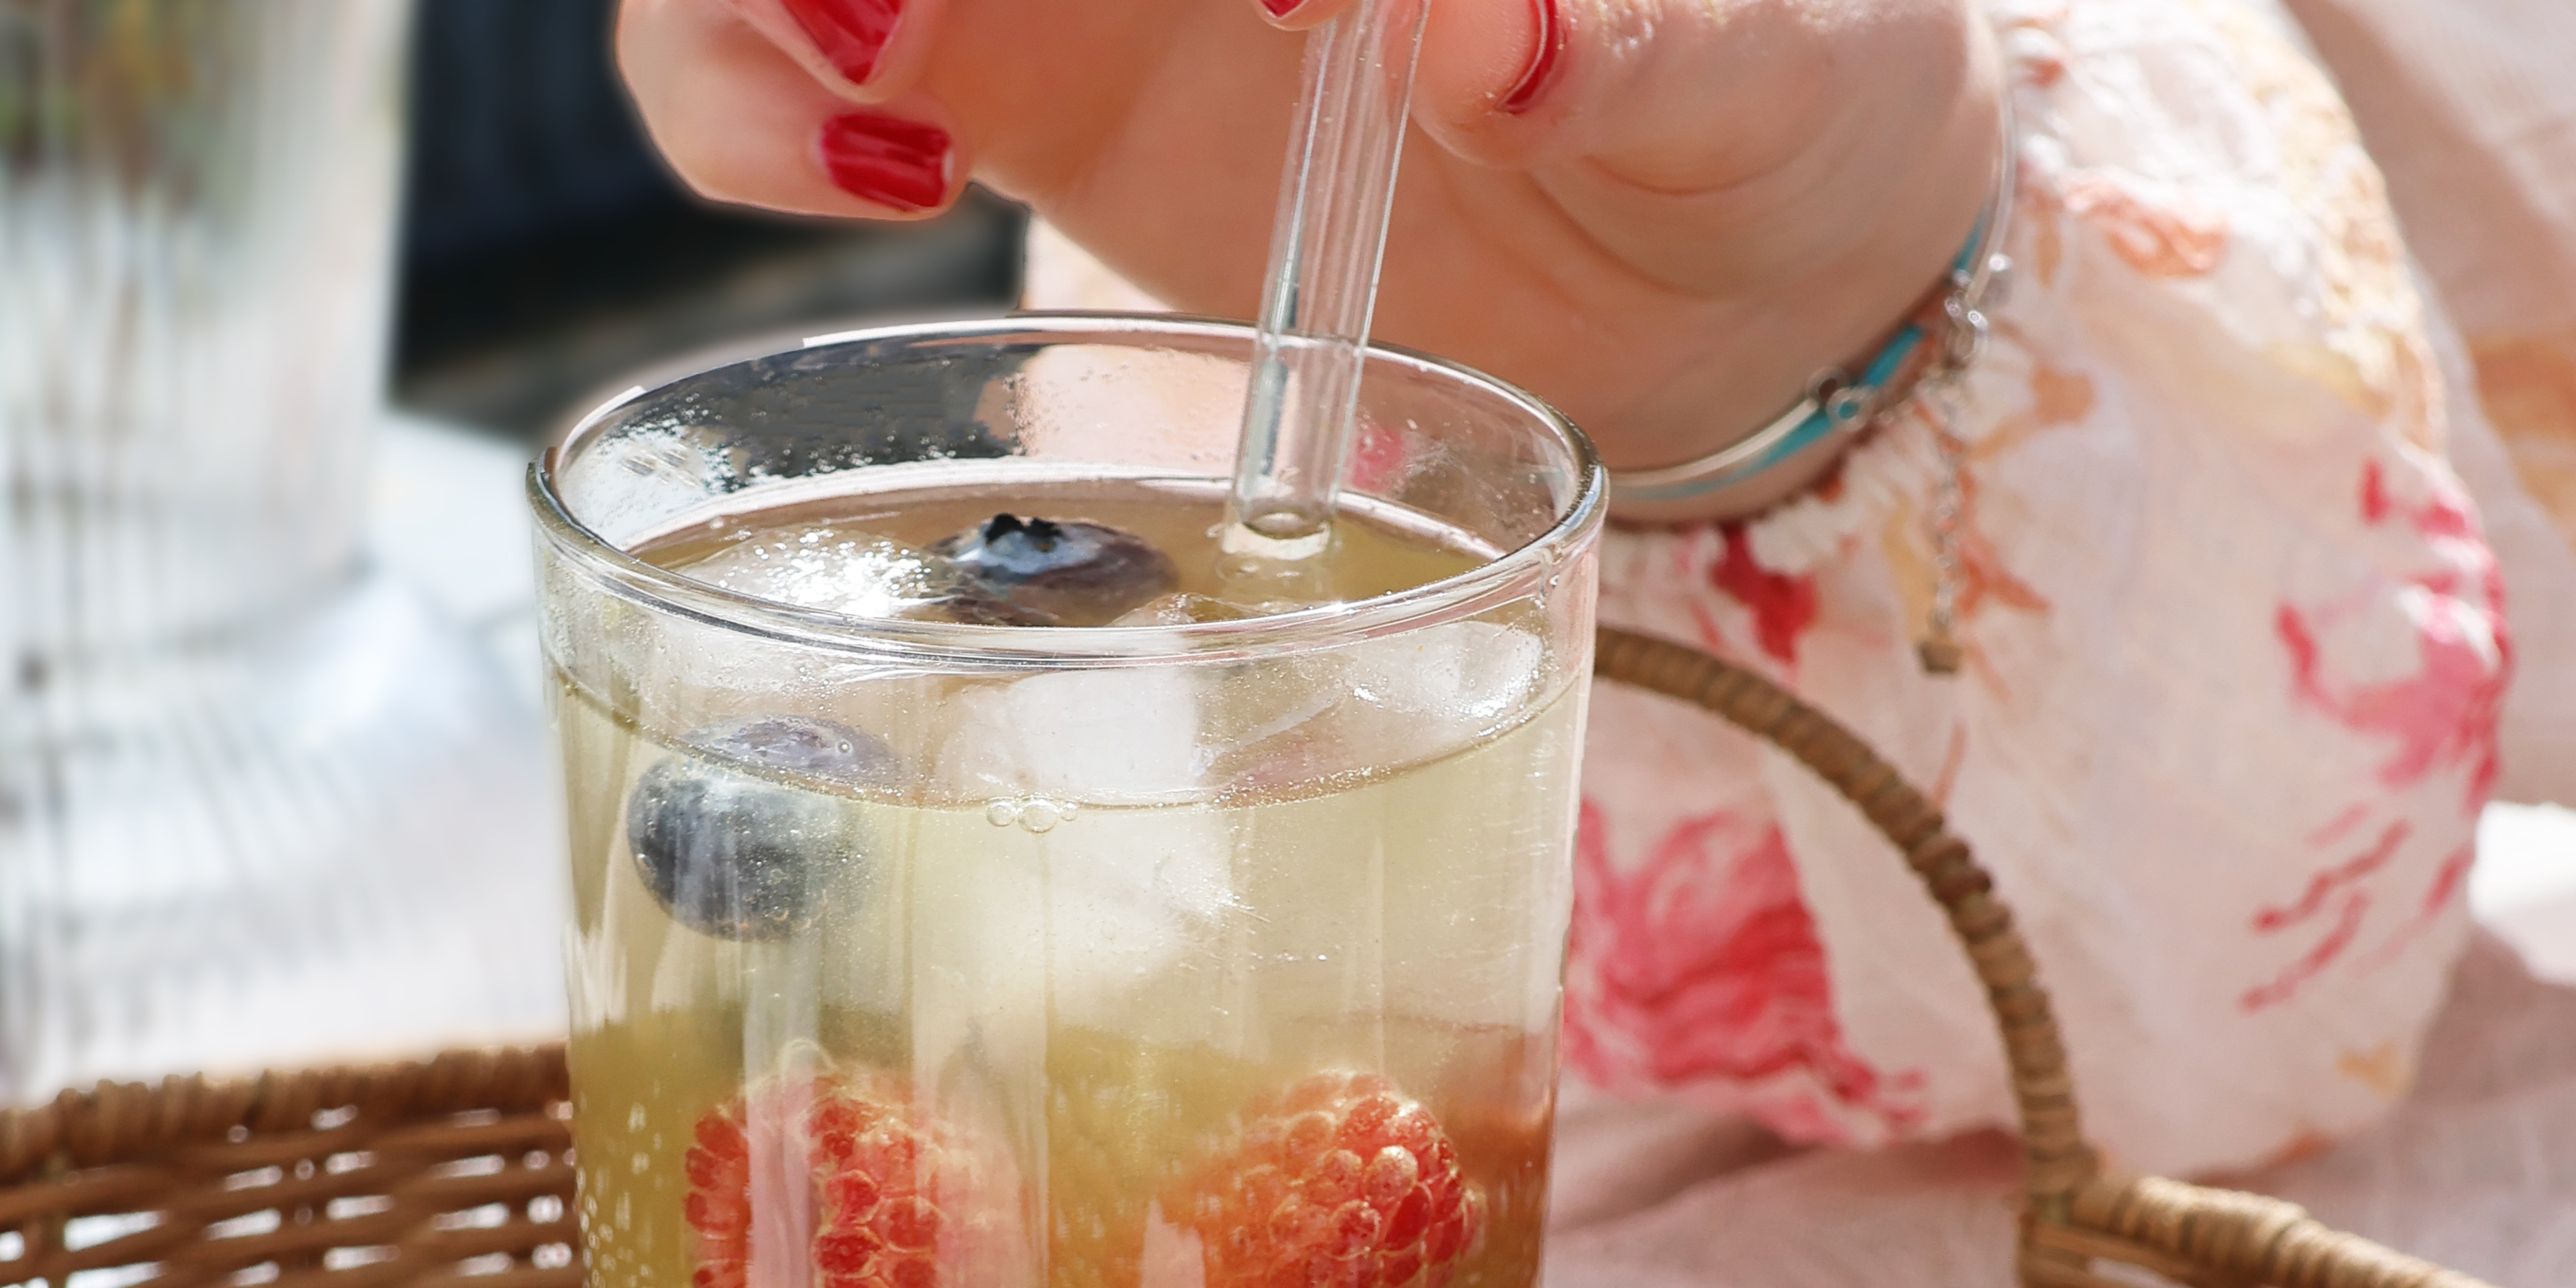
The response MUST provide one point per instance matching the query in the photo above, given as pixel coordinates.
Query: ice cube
(1426, 694)
(1098, 865)
(1186, 609)
(1094, 922)
(1128, 736)
(838, 570)
(1127, 893)
(1471, 677)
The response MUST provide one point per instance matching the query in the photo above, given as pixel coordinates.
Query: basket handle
(2074, 1213)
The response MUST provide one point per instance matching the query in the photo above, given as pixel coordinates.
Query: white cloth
(2476, 1170)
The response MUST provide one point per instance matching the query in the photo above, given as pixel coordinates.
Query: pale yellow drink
(1104, 976)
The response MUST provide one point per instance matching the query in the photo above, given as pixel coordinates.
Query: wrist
(1837, 312)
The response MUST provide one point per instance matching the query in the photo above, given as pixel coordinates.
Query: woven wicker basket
(457, 1171)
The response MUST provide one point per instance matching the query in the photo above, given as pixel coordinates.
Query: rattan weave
(456, 1172)
(455, 1169)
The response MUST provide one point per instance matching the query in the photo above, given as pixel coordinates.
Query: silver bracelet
(1838, 405)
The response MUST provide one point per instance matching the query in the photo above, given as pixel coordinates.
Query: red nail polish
(1542, 65)
(1281, 8)
(887, 160)
(851, 33)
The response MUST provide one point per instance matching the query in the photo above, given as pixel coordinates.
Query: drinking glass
(259, 803)
(1221, 944)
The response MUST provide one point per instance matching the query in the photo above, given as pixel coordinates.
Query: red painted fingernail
(887, 160)
(851, 33)
(1281, 8)
(1543, 60)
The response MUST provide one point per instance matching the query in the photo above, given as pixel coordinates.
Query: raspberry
(1340, 1182)
(838, 1176)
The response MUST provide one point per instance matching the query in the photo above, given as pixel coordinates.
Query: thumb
(1742, 121)
(1687, 93)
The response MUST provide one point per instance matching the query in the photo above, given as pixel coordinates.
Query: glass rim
(955, 645)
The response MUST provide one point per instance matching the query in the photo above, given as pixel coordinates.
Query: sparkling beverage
(981, 878)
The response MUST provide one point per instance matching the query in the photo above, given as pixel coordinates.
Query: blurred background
(547, 251)
(273, 769)
(275, 787)
(273, 772)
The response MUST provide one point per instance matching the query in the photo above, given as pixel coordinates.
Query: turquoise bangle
(1834, 408)
(1874, 381)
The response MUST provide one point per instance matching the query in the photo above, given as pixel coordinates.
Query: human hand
(1662, 215)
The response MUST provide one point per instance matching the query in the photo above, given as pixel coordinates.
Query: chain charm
(1941, 400)
(1939, 649)
(1942, 397)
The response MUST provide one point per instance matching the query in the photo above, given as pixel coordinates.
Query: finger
(1488, 82)
(741, 121)
(1301, 15)
(1680, 94)
(865, 50)
(1149, 130)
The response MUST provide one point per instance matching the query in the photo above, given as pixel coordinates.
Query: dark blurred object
(548, 251)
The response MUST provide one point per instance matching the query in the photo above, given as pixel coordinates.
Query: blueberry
(1038, 572)
(738, 835)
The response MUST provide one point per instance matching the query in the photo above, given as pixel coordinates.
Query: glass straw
(1324, 254)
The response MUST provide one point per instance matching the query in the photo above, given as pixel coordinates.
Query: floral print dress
(2236, 655)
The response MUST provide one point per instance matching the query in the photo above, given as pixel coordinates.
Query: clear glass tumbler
(1217, 944)
(259, 803)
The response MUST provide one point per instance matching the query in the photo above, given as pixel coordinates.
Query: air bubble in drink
(1036, 814)
(1042, 816)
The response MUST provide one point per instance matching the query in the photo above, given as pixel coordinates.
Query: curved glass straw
(1324, 255)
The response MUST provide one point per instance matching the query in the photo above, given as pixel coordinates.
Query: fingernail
(1542, 65)
(1281, 8)
(851, 33)
(887, 160)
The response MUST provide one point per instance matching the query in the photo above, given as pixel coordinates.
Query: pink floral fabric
(2236, 659)
(2239, 676)
(2467, 107)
